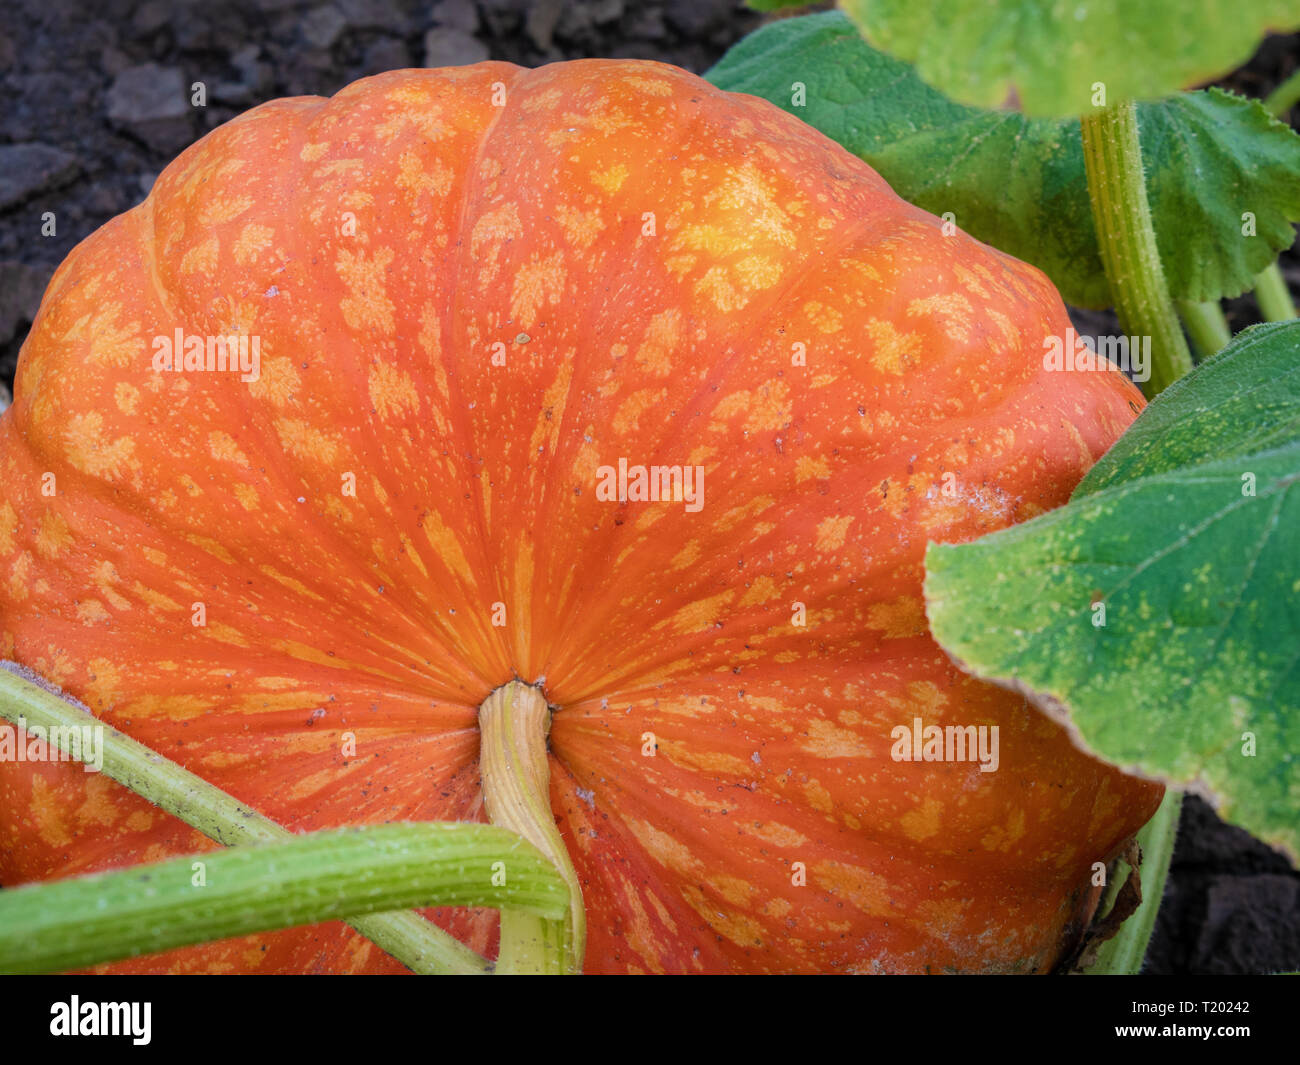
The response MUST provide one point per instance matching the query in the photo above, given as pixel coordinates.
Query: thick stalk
(1123, 954)
(1113, 159)
(1285, 96)
(1206, 325)
(514, 722)
(419, 944)
(1272, 295)
(322, 876)
(1122, 214)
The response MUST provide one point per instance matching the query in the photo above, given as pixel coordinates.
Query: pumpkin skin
(371, 614)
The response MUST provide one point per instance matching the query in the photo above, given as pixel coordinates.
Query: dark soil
(88, 118)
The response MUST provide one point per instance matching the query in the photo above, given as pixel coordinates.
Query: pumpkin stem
(1272, 295)
(514, 722)
(1117, 189)
(1206, 325)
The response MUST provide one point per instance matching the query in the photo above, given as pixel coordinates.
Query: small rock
(641, 50)
(695, 18)
(644, 22)
(579, 21)
(150, 17)
(503, 18)
(26, 169)
(691, 56)
(107, 198)
(5, 398)
(232, 92)
(543, 17)
(246, 61)
(374, 15)
(1246, 925)
(606, 11)
(1204, 840)
(254, 77)
(457, 14)
(308, 74)
(113, 61)
(321, 26)
(445, 47)
(21, 288)
(152, 103)
(386, 54)
(195, 33)
(218, 115)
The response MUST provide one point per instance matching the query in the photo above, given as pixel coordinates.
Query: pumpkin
(490, 306)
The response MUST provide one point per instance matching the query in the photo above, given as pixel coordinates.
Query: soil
(89, 118)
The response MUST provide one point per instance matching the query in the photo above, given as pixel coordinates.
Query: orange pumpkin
(473, 292)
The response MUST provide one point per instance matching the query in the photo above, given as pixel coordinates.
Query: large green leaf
(1244, 403)
(1045, 56)
(1188, 533)
(1019, 184)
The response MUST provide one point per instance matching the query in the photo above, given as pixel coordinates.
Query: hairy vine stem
(1117, 189)
(514, 722)
(419, 944)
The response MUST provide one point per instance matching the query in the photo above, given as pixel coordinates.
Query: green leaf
(1018, 183)
(1046, 58)
(1244, 402)
(322, 876)
(1188, 534)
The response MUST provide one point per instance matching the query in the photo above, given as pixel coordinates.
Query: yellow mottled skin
(676, 276)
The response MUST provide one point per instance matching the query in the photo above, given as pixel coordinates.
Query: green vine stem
(1272, 295)
(1122, 214)
(321, 876)
(1285, 96)
(1117, 190)
(514, 722)
(419, 944)
(1122, 955)
(1206, 325)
